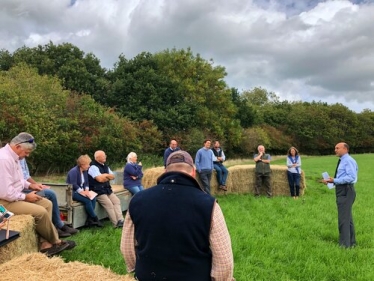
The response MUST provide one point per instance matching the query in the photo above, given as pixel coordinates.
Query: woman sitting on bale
(133, 174)
(78, 177)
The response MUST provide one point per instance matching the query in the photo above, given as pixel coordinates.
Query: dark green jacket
(261, 167)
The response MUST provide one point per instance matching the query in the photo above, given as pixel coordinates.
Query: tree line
(72, 105)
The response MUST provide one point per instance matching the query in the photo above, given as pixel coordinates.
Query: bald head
(341, 148)
(100, 156)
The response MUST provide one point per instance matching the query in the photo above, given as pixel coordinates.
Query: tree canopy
(72, 105)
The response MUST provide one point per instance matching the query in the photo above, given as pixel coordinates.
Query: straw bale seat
(37, 266)
(26, 243)
(241, 179)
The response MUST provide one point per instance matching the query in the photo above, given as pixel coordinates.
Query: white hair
(130, 155)
(24, 139)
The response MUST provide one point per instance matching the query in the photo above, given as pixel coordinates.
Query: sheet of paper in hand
(326, 176)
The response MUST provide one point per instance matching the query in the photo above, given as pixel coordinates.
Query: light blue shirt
(347, 170)
(94, 171)
(25, 169)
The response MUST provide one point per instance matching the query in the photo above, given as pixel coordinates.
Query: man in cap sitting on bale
(19, 203)
(175, 230)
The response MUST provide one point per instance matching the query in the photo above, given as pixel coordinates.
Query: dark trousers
(345, 197)
(263, 179)
(205, 177)
(294, 183)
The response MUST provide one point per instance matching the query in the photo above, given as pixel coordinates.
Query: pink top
(12, 181)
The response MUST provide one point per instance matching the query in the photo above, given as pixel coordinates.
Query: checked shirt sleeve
(128, 243)
(220, 243)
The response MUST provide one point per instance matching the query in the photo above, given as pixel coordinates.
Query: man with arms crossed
(176, 231)
(99, 177)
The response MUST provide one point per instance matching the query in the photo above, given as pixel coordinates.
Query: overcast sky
(301, 50)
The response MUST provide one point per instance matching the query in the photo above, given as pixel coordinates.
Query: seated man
(221, 171)
(62, 229)
(19, 203)
(99, 177)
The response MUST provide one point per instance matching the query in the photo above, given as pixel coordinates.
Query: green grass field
(278, 238)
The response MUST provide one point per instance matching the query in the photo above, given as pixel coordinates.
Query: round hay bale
(26, 243)
(37, 266)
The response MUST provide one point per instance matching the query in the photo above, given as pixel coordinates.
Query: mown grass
(278, 238)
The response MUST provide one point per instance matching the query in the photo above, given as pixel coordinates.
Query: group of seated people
(95, 176)
(90, 180)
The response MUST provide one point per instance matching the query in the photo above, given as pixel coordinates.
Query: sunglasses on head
(28, 141)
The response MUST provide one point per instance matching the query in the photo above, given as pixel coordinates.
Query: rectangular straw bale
(241, 179)
(26, 243)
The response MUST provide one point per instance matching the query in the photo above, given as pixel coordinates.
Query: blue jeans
(222, 173)
(135, 189)
(294, 183)
(89, 205)
(51, 196)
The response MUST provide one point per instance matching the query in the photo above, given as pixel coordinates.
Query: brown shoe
(223, 187)
(55, 249)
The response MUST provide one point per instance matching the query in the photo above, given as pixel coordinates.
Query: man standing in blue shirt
(204, 164)
(344, 179)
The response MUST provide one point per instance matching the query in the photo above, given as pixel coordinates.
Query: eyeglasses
(28, 141)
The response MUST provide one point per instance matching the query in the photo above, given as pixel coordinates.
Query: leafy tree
(245, 112)
(78, 71)
(64, 125)
(365, 132)
(6, 60)
(177, 91)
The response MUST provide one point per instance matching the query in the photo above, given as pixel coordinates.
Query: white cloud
(301, 50)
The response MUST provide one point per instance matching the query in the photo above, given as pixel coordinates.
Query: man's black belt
(344, 185)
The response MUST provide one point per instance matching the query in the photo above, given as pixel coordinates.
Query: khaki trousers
(41, 211)
(112, 206)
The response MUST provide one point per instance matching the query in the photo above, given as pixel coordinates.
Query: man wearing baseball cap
(175, 230)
